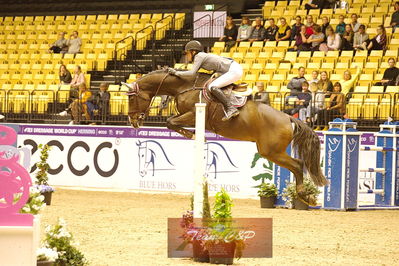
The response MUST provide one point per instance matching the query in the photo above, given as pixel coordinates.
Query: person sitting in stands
(360, 37)
(284, 31)
(300, 41)
(78, 77)
(317, 102)
(60, 44)
(355, 25)
(79, 106)
(261, 95)
(314, 4)
(324, 84)
(65, 75)
(258, 31)
(379, 42)
(304, 98)
(74, 43)
(309, 25)
(315, 75)
(324, 25)
(347, 38)
(296, 28)
(340, 29)
(244, 31)
(395, 17)
(271, 31)
(101, 100)
(316, 38)
(295, 84)
(348, 81)
(230, 33)
(335, 107)
(333, 41)
(390, 74)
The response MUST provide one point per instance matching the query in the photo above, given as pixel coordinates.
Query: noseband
(135, 92)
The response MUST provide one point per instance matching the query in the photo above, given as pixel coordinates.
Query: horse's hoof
(309, 200)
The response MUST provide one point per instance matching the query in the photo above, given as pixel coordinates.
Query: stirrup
(234, 114)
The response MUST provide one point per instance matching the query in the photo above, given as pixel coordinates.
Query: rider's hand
(172, 71)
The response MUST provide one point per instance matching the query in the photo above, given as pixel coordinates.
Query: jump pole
(199, 158)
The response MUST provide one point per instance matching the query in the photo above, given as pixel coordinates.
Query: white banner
(209, 24)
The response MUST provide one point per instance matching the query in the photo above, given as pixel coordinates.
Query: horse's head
(140, 95)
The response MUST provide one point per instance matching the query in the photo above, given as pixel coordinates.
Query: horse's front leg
(177, 122)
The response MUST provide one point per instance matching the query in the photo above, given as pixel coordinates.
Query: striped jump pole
(342, 147)
(199, 158)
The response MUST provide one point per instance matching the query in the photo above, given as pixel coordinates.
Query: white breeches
(235, 73)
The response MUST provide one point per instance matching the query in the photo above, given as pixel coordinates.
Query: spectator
(355, 25)
(390, 75)
(101, 100)
(258, 31)
(300, 41)
(340, 29)
(295, 85)
(74, 43)
(304, 98)
(324, 84)
(65, 75)
(316, 38)
(325, 24)
(342, 4)
(335, 107)
(379, 42)
(333, 41)
(78, 78)
(347, 38)
(296, 28)
(79, 106)
(284, 31)
(244, 31)
(309, 25)
(261, 95)
(314, 4)
(271, 31)
(395, 17)
(315, 75)
(348, 81)
(360, 37)
(59, 45)
(230, 33)
(317, 102)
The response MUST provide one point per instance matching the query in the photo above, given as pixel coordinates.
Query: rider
(231, 72)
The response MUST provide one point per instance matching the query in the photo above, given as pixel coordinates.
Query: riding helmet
(194, 45)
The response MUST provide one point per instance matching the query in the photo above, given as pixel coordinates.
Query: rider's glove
(172, 71)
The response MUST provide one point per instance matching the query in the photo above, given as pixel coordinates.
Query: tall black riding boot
(231, 111)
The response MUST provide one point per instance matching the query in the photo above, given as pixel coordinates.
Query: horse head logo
(217, 160)
(149, 161)
(333, 144)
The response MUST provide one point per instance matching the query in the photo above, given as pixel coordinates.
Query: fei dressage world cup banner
(150, 159)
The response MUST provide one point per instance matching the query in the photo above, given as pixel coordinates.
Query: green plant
(268, 174)
(35, 202)
(221, 229)
(309, 191)
(43, 166)
(58, 238)
(267, 190)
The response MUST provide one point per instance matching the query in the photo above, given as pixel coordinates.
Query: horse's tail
(307, 144)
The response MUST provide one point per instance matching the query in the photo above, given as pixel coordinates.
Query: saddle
(237, 93)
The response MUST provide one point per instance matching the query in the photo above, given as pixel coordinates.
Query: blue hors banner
(351, 171)
(333, 171)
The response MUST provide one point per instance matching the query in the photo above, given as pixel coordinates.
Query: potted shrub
(58, 238)
(46, 256)
(41, 175)
(222, 243)
(268, 194)
(35, 202)
(290, 194)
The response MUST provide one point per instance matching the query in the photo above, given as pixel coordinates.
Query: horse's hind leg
(295, 166)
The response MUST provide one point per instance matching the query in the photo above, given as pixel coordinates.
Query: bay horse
(271, 130)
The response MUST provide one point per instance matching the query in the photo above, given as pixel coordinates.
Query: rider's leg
(234, 74)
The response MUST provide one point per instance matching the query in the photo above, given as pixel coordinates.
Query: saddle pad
(236, 100)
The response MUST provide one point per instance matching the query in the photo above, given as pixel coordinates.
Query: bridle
(135, 92)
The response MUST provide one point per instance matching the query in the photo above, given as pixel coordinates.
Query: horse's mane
(202, 77)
